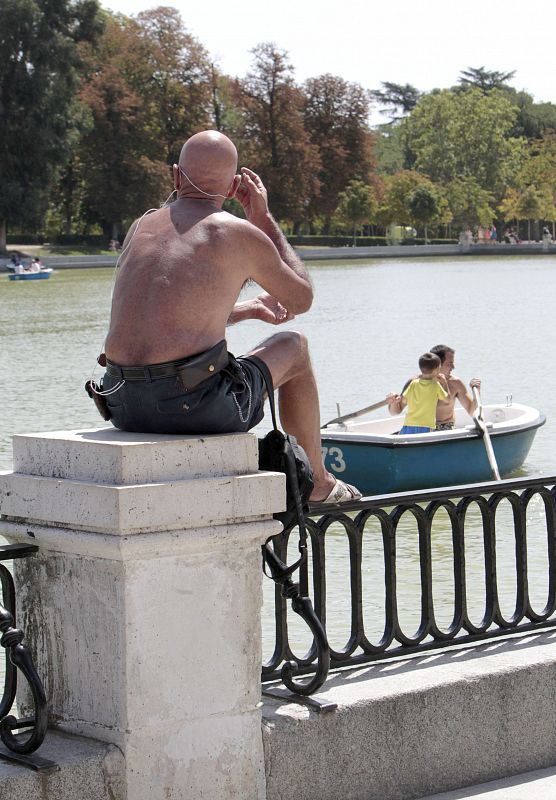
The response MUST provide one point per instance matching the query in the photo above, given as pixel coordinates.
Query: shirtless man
(181, 271)
(445, 416)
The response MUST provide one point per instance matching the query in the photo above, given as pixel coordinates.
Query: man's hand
(268, 309)
(263, 307)
(443, 382)
(395, 403)
(475, 383)
(253, 196)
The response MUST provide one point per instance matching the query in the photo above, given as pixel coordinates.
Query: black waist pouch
(198, 368)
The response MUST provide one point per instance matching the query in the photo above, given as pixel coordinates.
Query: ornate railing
(475, 520)
(18, 657)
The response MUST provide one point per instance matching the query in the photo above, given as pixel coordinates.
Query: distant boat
(32, 276)
(376, 459)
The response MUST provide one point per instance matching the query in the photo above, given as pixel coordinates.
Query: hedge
(362, 241)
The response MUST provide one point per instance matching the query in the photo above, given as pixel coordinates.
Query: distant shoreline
(341, 254)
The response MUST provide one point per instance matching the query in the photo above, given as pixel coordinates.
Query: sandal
(341, 493)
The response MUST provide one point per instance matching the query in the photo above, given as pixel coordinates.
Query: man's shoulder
(456, 384)
(235, 226)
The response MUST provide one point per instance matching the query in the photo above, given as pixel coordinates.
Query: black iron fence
(25, 735)
(471, 548)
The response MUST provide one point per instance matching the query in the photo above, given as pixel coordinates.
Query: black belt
(192, 370)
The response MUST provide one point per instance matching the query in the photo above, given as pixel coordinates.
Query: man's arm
(253, 197)
(463, 395)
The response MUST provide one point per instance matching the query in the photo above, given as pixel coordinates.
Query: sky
(425, 44)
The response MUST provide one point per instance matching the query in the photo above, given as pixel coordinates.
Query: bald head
(209, 160)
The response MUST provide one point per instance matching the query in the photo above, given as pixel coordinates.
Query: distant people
(546, 235)
(493, 234)
(114, 245)
(421, 396)
(15, 262)
(445, 411)
(465, 238)
(511, 236)
(35, 265)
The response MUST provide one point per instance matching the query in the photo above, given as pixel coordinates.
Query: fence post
(142, 607)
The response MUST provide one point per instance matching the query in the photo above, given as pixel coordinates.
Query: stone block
(107, 455)
(122, 510)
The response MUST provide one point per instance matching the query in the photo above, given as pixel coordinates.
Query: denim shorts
(231, 401)
(415, 429)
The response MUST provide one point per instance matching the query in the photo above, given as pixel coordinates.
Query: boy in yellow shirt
(421, 396)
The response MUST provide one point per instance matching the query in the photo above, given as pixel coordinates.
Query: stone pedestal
(142, 607)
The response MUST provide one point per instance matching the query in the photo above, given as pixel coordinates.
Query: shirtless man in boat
(445, 409)
(181, 271)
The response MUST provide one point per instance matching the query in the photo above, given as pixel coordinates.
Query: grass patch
(42, 250)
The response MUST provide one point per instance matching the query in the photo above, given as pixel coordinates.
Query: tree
(402, 197)
(122, 156)
(465, 134)
(273, 136)
(398, 188)
(399, 99)
(529, 206)
(356, 206)
(533, 196)
(335, 117)
(533, 120)
(147, 86)
(469, 203)
(484, 79)
(175, 80)
(38, 78)
(423, 206)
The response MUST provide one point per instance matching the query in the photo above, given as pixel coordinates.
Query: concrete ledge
(122, 510)
(107, 455)
(408, 729)
(538, 785)
(88, 771)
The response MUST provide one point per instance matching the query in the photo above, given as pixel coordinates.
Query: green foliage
(390, 150)
(95, 107)
(39, 59)
(275, 141)
(469, 203)
(484, 79)
(335, 116)
(356, 206)
(398, 99)
(465, 134)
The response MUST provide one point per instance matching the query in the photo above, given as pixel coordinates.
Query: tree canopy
(39, 63)
(95, 106)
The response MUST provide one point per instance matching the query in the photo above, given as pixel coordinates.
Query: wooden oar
(354, 414)
(482, 430)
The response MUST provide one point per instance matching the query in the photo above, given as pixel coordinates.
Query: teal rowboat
(373, 457)
(31, 276)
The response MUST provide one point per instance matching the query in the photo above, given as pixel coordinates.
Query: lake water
(368, 326)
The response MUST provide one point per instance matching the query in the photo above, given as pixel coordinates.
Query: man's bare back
(180, 277)
(182, 270)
